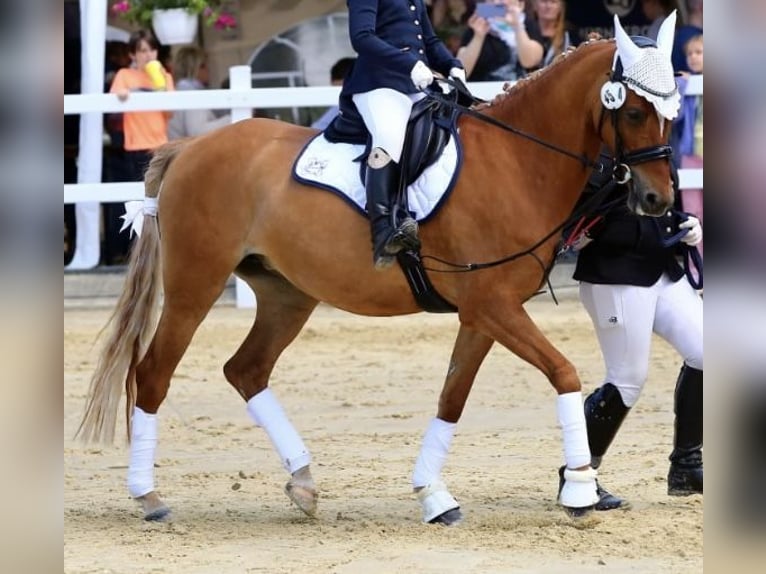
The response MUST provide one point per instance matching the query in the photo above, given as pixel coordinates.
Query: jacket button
(417, 22)
(668, 229)
(412, 7)
(420, 51)
(669, 214)
(420, 36)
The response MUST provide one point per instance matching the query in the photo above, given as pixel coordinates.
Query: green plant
(140, 11)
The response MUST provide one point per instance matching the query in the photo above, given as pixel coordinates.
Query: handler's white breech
(433, 495)
(268, 414)
(579, 489)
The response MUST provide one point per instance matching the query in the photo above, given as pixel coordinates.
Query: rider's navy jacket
(389, 37)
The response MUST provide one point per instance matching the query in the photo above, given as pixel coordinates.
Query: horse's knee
(565, 379)
(450, 409)
(248, 381)
(151, 389)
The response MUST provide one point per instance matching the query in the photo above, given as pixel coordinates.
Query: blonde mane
(523, 84)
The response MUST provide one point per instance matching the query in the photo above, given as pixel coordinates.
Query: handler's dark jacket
(628, 249)
(389, 37)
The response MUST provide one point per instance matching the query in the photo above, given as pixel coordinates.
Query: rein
(462, 93)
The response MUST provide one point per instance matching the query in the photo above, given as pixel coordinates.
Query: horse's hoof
(153, 507)
(159, 515)
(450, 518)
(303, 497)
(578, 513)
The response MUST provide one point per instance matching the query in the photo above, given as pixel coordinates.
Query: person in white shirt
(191, 73)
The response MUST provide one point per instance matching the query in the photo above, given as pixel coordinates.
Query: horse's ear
(666, 33)
(627, 50)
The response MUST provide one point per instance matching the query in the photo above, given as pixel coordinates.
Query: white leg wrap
(435, 500)
(143, 443)
(579, 489)
(433, 452)
(267, 413)
(572, 421)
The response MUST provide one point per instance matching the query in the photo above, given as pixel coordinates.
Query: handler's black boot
(604, 413)
(685, 474)
(381, 183)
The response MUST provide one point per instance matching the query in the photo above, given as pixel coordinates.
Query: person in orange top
(144, 131)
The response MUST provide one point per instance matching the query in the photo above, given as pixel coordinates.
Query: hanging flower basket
(174, 26)
(176, 21)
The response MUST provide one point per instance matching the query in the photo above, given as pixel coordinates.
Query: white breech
(266, 412)
(624, 317)
(385, 113)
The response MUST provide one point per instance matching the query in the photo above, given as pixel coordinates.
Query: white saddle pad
(331, 166)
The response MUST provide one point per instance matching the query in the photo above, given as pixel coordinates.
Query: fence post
(240, 78)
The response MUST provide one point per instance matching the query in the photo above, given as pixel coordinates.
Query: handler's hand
(695, 231)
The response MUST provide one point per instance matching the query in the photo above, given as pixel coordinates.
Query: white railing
(241, 99)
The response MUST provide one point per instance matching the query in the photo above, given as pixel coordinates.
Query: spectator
(338, 72)
(144, 131)
(551, 19)
(656, 11)
(190, 69)
(501, 49)
(448, 14)
(116, 165)
(688, 126)
(693, 27)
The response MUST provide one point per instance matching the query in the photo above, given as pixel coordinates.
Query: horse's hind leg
(187, 300)
(282, 310)
(439, 507)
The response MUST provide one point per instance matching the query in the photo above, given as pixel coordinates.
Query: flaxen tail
(131, 326)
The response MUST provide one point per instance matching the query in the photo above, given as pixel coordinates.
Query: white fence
(241, 99)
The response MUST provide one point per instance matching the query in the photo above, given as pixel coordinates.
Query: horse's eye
(636, 115)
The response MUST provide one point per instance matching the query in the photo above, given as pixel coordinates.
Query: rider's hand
(694, 236)
(421, 75)
(457, 74)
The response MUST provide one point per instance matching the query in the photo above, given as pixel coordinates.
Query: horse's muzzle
(644, 199)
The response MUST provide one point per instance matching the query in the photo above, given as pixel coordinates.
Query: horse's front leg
(509, 324)
(439, 506)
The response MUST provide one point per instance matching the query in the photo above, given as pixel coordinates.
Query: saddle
(428, 132)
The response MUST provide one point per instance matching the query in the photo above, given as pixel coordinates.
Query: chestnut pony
(228, 204)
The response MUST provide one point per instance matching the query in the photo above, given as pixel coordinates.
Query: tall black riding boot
(388, 236)
(685, 475)
(604, 413)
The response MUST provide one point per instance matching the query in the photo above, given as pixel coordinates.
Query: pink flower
(225, 21)
(121, 7)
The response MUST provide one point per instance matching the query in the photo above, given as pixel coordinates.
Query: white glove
(458, 74)
(421, 75)
(695, 231)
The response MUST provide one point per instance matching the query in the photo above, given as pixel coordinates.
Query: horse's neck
(555, 107)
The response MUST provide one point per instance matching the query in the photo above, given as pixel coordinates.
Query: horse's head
(640, 99)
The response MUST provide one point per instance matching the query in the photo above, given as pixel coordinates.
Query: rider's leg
(386, 113)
